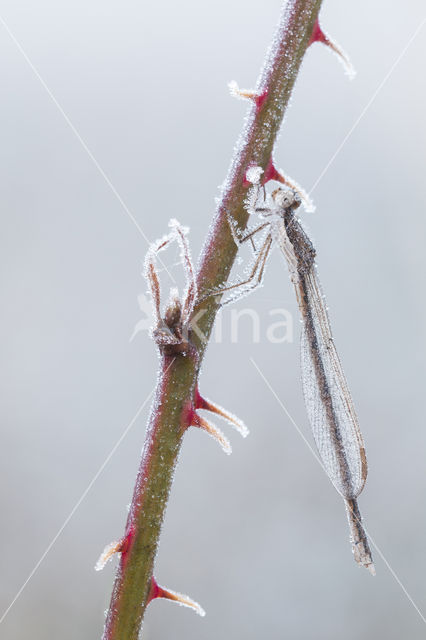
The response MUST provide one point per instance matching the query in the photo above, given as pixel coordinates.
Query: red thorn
(213, 431)
(200, 403)
(260, 100)
(125, 541)
(160, 592)
(207, 405)
(154, 591)
(318, 34)
(249, 94)
(271, 173)
(111, 549)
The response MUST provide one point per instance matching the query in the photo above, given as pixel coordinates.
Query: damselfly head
(286, 198)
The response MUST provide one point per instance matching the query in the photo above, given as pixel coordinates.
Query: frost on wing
(328, 401)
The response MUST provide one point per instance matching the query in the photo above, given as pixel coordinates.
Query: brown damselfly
(327, 397)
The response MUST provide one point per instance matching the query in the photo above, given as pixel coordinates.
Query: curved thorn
(180, 598)
(207, 405)
(243, 94)
(248, 94)
(213, 431)
(318, 35)
(110, 550)
(343, 57)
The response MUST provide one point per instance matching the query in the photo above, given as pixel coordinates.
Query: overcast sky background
(258, 538)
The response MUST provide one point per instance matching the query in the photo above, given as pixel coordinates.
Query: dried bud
(173, 312)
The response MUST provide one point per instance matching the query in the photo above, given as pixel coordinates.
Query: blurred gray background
(260, 538)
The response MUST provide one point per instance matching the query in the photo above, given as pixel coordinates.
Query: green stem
(171, 409)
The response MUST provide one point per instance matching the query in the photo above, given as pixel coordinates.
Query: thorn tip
(179, 598)
(248, 94)
(207, 405)
(213, 431)
(110, 550)
(318, 35)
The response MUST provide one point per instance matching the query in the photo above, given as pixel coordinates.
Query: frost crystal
(176, 227)
(107, 553)
(234, 89)
(251, 200)
(253, 174)
(350, 70)
(181, 599)
(241, 94)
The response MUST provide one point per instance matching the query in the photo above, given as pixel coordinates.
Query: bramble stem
(174, 399)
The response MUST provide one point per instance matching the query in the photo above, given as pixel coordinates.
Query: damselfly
(328, 401)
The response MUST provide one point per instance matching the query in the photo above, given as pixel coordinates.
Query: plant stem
(174, 399)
